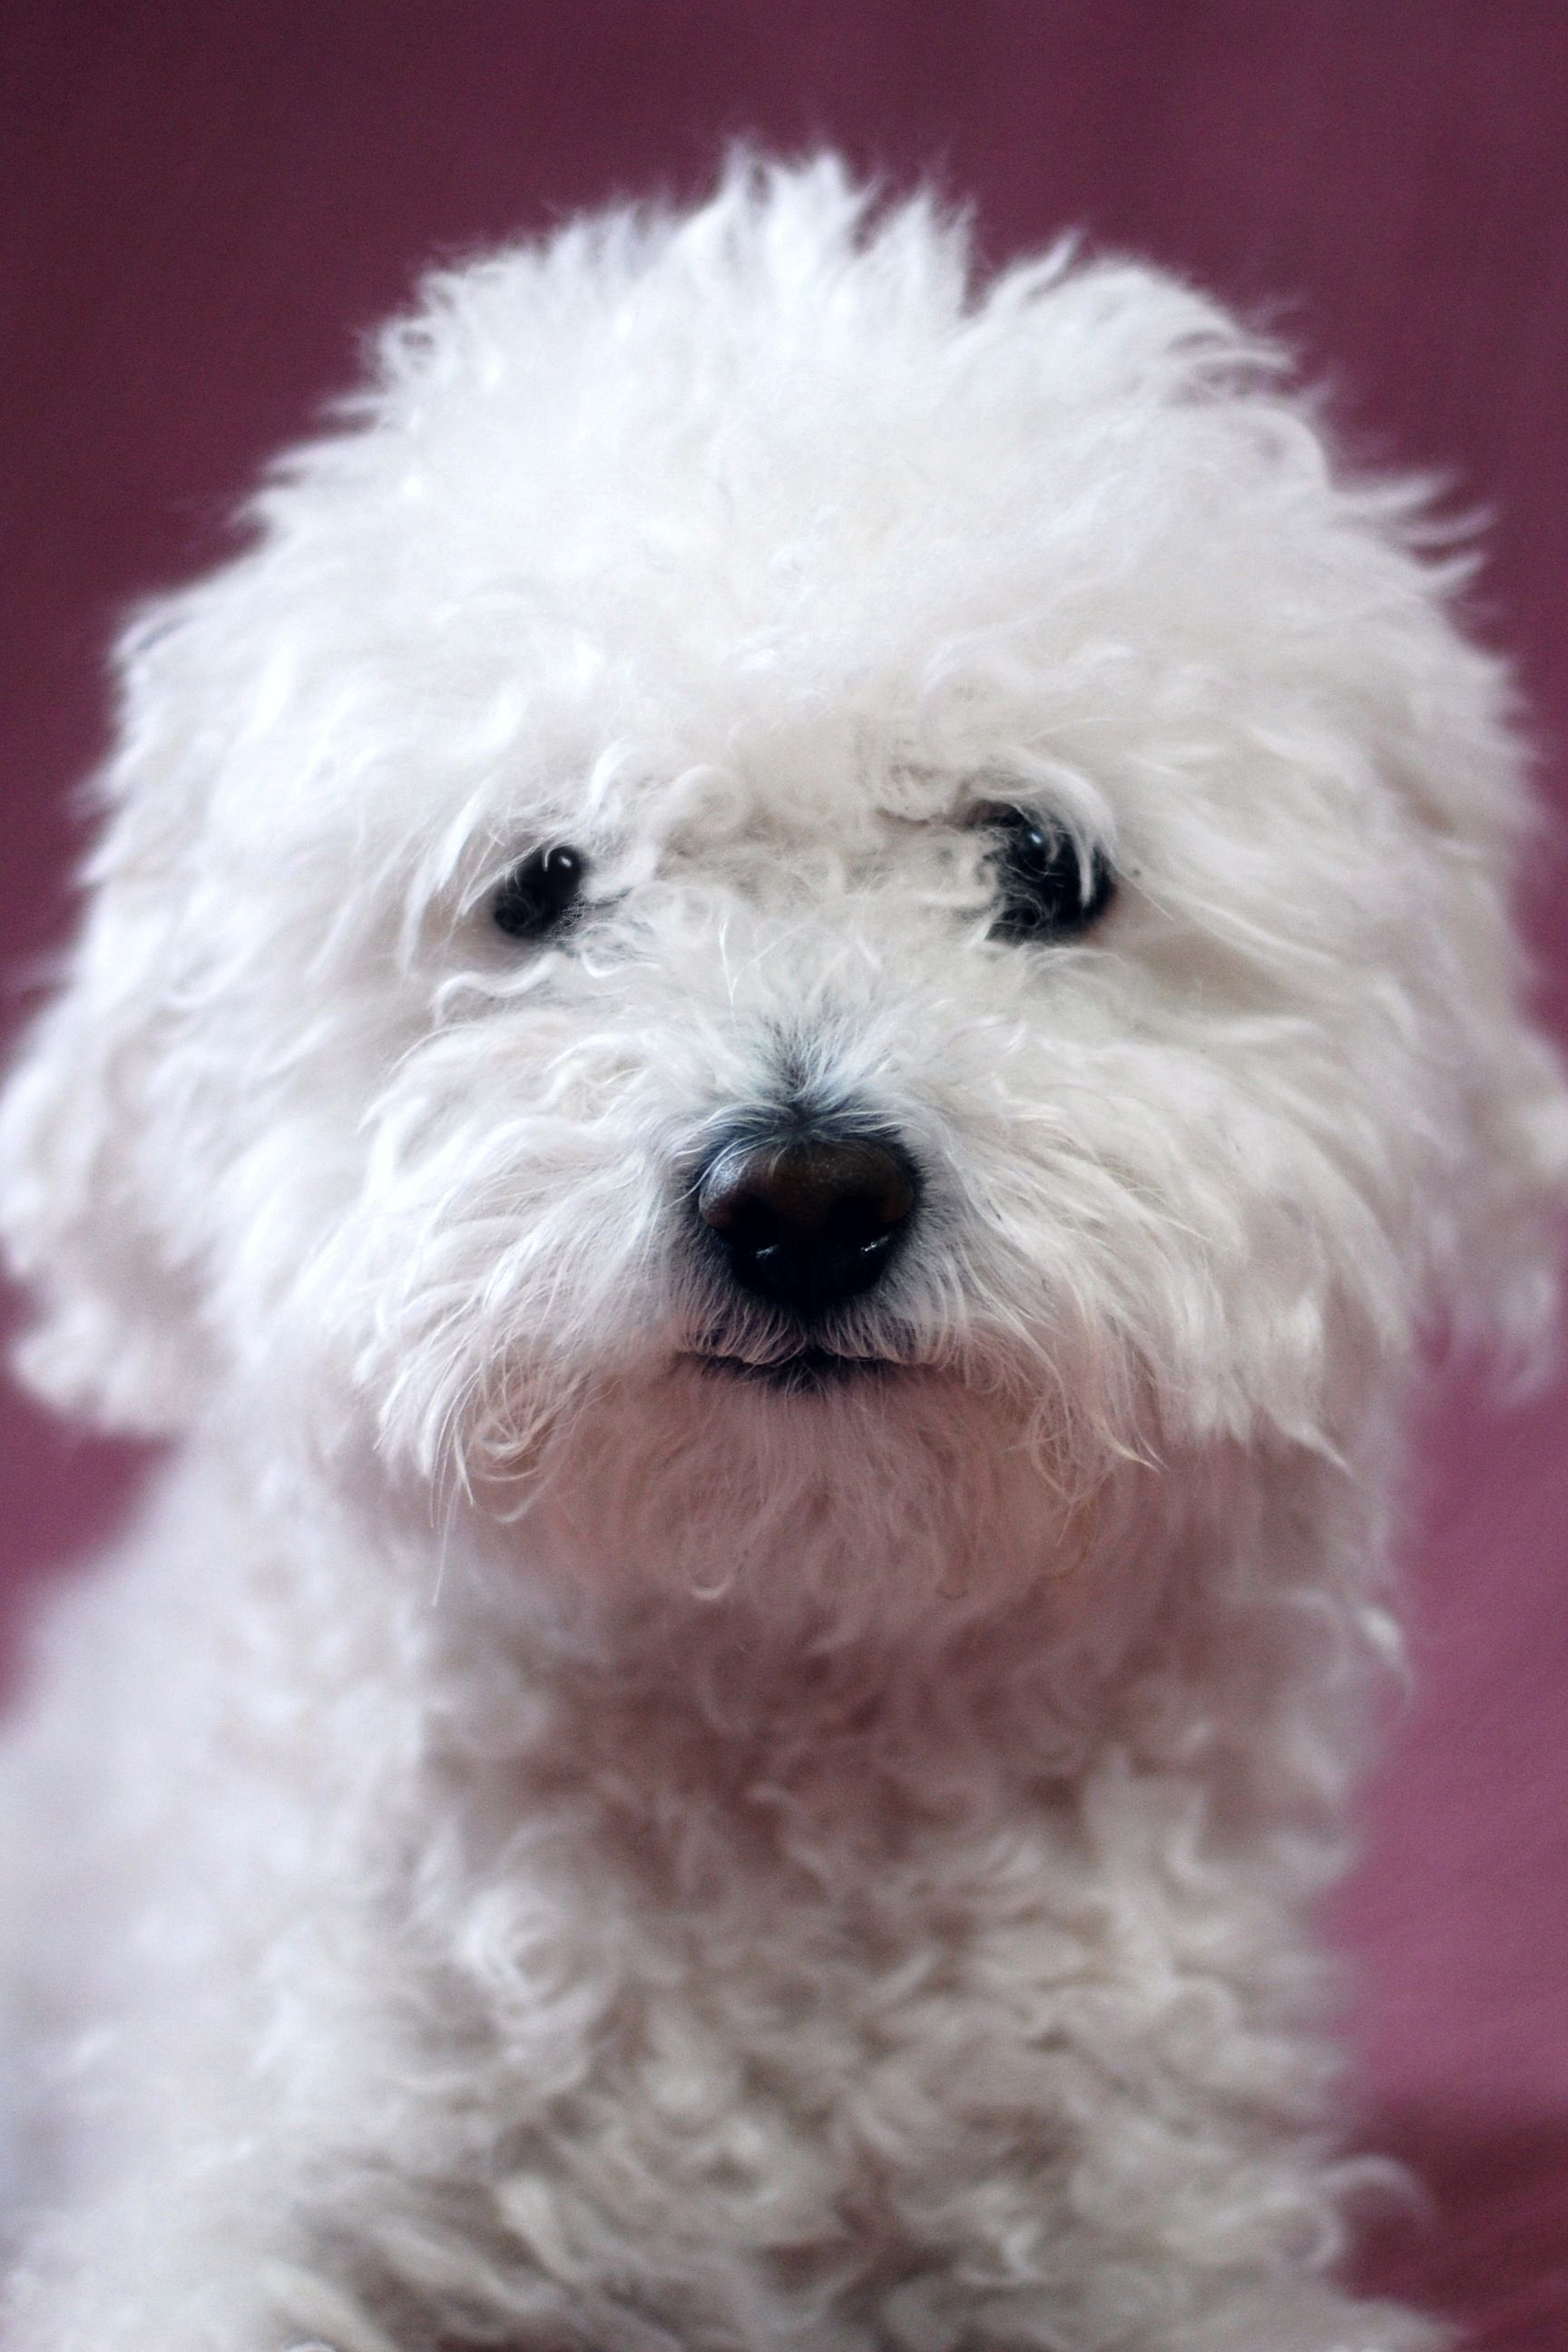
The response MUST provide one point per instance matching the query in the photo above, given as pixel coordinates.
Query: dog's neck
(1186, 1647)
(1182, 1650)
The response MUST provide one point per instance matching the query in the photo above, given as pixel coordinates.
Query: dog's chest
(793, 2008)
(808, 2008)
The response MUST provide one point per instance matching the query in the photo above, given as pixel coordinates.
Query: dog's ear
(93, 1194)
(1498, 1226)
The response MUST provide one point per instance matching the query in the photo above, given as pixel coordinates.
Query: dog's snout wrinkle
(808, 1222)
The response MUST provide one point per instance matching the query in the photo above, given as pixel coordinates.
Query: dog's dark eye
(540, 894)
(1046, 889)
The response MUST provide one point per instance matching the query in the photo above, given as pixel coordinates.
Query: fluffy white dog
(792, 1002)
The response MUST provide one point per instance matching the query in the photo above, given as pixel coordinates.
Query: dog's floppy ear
(1499, 1227)
(92, 1183)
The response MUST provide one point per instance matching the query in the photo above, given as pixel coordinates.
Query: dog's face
(768, 889)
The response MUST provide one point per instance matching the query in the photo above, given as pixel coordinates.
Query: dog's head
(772, 861)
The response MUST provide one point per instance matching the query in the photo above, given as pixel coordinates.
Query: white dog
(792, 1002)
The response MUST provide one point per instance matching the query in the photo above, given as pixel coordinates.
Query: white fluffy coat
(531, 1843)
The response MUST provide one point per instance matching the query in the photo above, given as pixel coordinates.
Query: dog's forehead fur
(781, 498)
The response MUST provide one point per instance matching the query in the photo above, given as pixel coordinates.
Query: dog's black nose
(808, 1222)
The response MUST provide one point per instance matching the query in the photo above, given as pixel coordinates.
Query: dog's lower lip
(804, 1368)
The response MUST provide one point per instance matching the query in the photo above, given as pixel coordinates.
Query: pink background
(205, 205)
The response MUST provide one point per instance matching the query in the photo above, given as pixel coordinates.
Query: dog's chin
(846, 1496)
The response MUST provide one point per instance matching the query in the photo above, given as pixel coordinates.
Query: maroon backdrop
(203, 208)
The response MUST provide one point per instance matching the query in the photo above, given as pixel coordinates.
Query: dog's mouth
(804, 1371)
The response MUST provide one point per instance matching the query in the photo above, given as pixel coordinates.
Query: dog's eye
(541, 893)
(1046, 889)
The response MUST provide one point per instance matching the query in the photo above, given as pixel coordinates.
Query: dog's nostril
(808, 1222)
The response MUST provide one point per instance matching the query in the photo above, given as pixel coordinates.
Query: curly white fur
(533, 1843)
